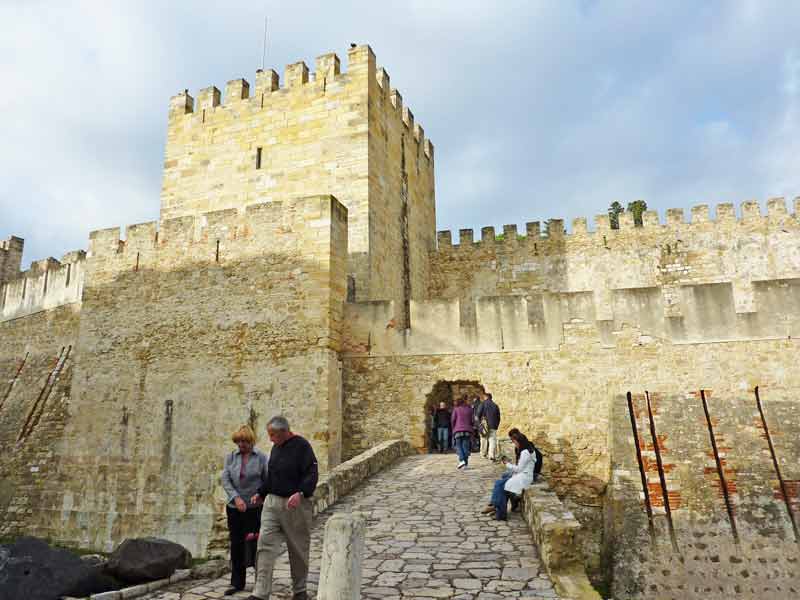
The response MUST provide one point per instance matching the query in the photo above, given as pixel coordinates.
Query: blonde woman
(244, 473)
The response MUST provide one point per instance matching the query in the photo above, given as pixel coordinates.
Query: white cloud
(537, 110)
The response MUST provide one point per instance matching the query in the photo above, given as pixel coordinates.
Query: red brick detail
(792, 489)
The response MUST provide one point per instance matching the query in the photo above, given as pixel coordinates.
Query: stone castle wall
(723, 521)
(37, 355)
(216, 321)
(10, 257)
(740, 253)
(558, 327)
(706, 280)
(402, 203)
(328, 132)
(568, 399)
(49, 283)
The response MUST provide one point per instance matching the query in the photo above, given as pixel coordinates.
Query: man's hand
(294, 500)
(255, 500)
(241, 506)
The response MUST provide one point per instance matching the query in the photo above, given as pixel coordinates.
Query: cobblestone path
(425, 539)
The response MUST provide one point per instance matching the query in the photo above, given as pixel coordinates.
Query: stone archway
(447, 392)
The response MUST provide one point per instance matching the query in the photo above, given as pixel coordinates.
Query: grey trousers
(281, 526)
(489, 444)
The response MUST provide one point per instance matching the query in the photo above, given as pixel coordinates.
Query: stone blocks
(342, 555)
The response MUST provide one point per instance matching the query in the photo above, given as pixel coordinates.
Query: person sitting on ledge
(517, 477)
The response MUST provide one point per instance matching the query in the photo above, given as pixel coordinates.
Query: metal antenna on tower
(264, 50)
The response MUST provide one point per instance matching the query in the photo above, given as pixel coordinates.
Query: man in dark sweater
(286, 519)
(442, 419)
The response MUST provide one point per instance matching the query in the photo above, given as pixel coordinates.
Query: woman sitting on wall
(517, 477)
(245, 471)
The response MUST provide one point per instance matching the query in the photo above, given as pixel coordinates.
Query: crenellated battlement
(296, 75)
(394, 100)
(536, 320)
(331, 128)
(297, 79)
(10, 257)
(776, 218)
(47, 284)
(12, 243)
(287, 227)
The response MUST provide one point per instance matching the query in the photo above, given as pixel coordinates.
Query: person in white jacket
(522, 475)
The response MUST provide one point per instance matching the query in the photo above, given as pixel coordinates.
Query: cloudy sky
(536, 109)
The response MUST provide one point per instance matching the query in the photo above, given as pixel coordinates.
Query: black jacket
(442, 418)
(491, 412)
(292, 468)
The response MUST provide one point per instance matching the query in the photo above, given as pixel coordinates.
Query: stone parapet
(679, 314)
(10, 257)
(49, 283)
(777, 217)
(657, 260)
(344, 478)
(556, 533)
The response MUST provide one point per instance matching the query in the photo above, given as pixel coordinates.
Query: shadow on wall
(173, 358)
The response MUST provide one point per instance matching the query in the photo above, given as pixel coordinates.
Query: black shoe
(300, 596)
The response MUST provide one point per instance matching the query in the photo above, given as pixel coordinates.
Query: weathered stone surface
(147, 559)
(386, 506)
(342, 553)
(210, 569)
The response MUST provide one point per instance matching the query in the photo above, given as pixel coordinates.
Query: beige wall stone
(10, 258)
(331, 132)
(36, 367)
(221, 319)
(568, 400)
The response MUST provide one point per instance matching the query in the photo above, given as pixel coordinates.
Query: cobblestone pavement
(425, 539)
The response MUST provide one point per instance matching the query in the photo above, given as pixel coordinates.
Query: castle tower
(10, 258)
(346, 134)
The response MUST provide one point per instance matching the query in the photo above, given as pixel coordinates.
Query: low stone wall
(556, 533)
(342, 479)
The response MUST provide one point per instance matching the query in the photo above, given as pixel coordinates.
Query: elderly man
(286, 519)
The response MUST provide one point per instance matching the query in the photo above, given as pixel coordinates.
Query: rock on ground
(147, 559)
(31, 569)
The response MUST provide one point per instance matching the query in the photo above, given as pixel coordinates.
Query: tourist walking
(489, 412)
(461, 424)
(442, 420)
(432, 441)
(292, 476)
(244, 472)
(476, 425)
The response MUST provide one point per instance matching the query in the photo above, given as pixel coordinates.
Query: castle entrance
(447, 392)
